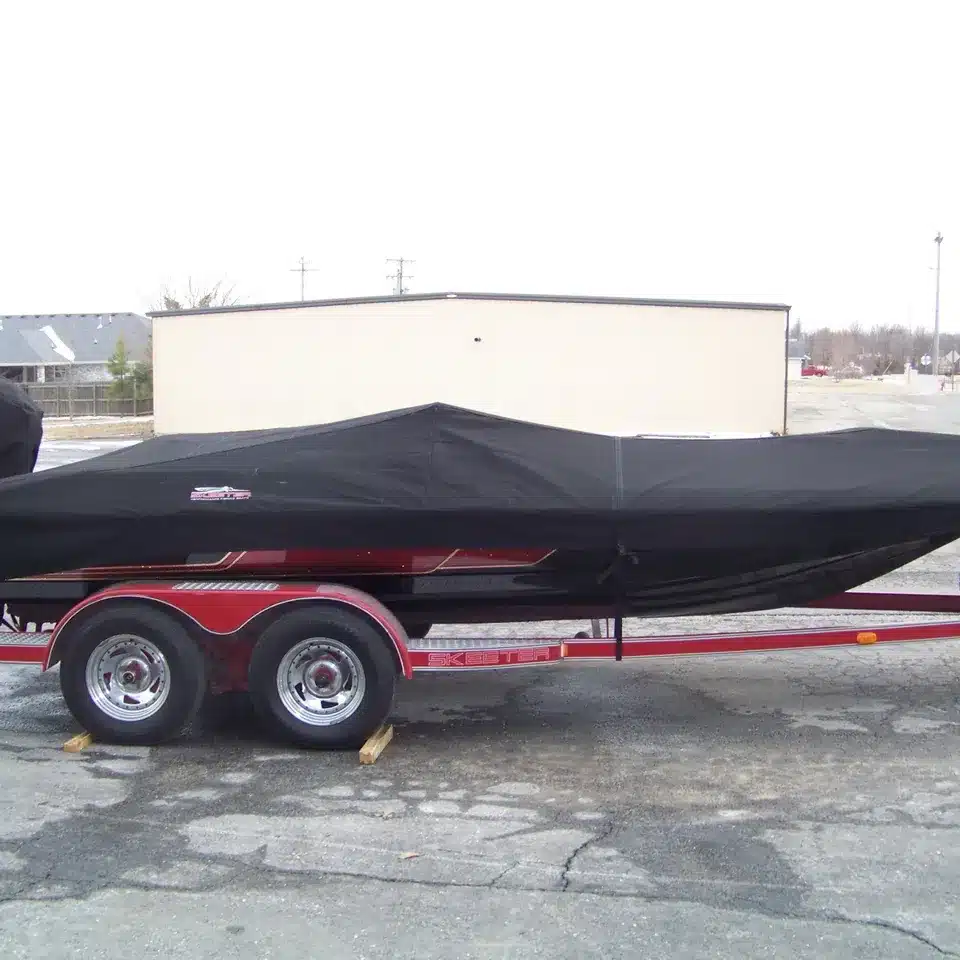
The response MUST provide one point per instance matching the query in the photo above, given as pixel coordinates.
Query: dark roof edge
(63, 362)
(540, 298)
(101, 313)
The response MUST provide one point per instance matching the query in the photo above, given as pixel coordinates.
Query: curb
(98, 430)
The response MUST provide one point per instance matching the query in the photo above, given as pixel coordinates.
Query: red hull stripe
(324, 563)
(494, 559)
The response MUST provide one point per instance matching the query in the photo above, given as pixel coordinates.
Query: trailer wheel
(133, 676)
(322, 678)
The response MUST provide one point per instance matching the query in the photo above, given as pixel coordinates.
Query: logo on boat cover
(219, 493)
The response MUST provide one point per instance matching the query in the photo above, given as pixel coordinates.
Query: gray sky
(804, 153)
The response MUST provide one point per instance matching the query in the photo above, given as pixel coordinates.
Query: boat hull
(476, 586)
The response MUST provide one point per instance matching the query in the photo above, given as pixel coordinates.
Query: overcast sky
(804, 153)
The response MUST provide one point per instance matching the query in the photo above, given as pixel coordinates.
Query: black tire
(367, 646)
(186, 675)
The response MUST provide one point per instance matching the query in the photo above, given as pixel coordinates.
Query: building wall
(617, 368)
(79, 373)
(795, 368)
(63, 374)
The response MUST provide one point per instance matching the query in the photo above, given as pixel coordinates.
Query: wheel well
(255, 626)
(117, 603)
(269, 616)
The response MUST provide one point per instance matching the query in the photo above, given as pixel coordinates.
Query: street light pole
(938, 239)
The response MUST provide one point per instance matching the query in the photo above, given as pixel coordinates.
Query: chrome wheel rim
(321, 682)
(128, 678)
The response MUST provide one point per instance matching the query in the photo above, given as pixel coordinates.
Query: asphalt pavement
(781, 805)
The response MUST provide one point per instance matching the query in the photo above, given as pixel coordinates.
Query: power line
(399, 289)
(303, 270)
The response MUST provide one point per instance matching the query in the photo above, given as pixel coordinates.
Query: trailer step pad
(479, 643)
(482, 653)
(23, 647)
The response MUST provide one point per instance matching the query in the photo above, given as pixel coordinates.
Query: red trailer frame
(229, 620)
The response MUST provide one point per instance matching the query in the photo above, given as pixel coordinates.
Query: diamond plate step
(23, 647)
(9, 638)
(479, 643)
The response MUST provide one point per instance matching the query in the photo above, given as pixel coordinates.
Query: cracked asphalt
(774, 805)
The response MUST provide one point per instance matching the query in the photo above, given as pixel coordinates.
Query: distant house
(75, 347)
(797, 359)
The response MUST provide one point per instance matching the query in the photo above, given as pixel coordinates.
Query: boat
(449, 515)
(308, 566)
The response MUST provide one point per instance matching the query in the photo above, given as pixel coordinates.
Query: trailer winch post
(619, 600)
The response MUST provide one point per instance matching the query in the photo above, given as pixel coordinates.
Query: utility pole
(938, 239)
(303, 270)
(399, 289)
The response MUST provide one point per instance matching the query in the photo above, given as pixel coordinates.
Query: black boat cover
(21, 430)
(437, 476)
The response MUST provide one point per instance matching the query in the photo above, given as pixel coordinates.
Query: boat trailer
(320, 660)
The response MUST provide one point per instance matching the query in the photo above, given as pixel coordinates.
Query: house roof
(28, 340)
(542, 298)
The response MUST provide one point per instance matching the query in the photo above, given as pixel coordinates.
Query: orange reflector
(867, 636)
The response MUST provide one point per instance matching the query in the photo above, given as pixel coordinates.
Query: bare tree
(879, 350)
(846, 348)
(195, 298)
(821, 347)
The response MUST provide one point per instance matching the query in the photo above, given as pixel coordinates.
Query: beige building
(601, 364)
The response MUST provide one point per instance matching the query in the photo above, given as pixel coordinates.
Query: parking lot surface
(782, 805)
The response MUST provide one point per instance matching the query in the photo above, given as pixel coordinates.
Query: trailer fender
(221, 608)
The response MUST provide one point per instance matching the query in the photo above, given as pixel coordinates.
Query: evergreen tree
(119, 367)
